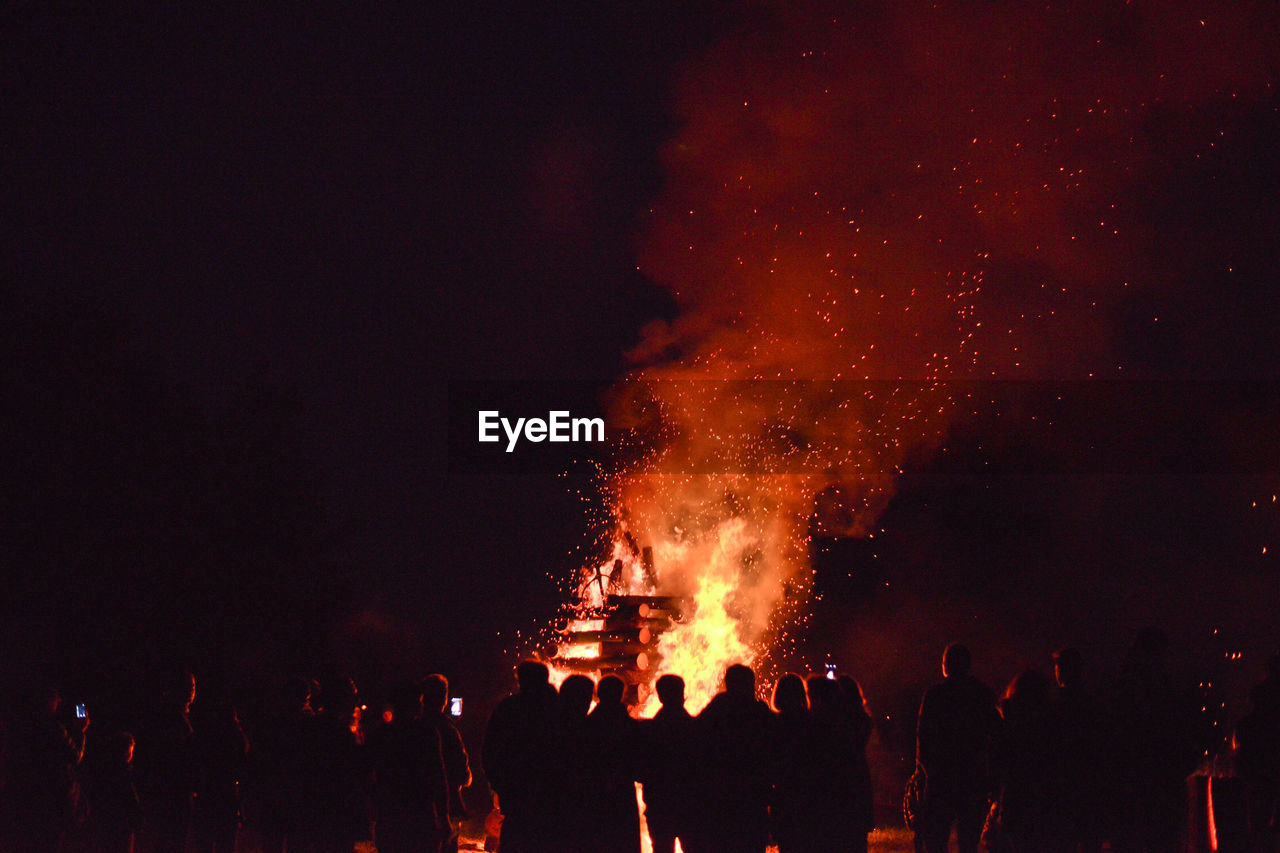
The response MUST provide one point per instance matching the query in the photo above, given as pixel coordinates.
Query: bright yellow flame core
(699, 649)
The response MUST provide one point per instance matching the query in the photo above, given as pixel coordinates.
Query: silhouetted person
(854, 811)
(40, 797)
(841, 811)
(115, 812)
(410, 788)
(667, 742)
(570, 819)
(281, 756)
(220, 751)
(611, 758)
(953, 736)
(516, 756)
(435, 702)
(736, 729)
(1085, 783)
(1025, 764)
(1155, 749)
(341, 782)
(796, 780)
(166, 751)
(1257, 745)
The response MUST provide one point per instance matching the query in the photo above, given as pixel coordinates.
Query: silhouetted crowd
(1050, 766)
(1047, 766)
(565, 773)
(1053, 766)
(307, 778)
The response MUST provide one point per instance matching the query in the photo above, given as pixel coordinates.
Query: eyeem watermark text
(559, 426)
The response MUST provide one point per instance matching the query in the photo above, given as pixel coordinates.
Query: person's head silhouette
(532, 675)
(670, 690)
(824, 693)
(956, 661)
(1068, 667)
(575, 696)
(789, 695)
(851, 692)
(45, 699)
(740, 681)
(1027, 697)
(610, 689)
(181, 690)
(435, 693)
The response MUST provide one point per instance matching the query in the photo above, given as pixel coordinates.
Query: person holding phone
(438, 710)
(43, 790)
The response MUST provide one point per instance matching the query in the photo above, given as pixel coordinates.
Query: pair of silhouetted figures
(726, 780)
(306, 780)
(1041, 770)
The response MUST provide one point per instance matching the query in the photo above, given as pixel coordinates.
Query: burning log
(618, 638)
(597, 651)
(638, 662)
(665, 608)
(602, 644)
(642, 635)
(656, 622)
(673, 603)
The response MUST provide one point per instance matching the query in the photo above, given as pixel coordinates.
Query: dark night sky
(245, 255)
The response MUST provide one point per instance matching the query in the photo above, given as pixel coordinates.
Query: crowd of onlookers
(732, 777)
(310, 776)
(1051, 765)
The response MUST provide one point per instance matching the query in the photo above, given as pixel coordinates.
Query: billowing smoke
(865, 193)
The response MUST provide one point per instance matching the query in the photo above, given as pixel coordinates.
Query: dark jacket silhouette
(220, 752)
(342, 783)
(842, 728)
(611, 759)
(1026, 762)
(410, 790)
(737, 735)
(667, 742)
(457, 764)
(167, 761)
(281, 755)
(1155, 748)
(571, 813)
(953, 735)
(517, 753)
(797, 780)
(1086, 786)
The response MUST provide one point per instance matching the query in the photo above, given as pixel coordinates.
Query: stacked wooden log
(620, 639)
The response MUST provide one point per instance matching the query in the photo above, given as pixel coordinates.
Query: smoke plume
(862, 204)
